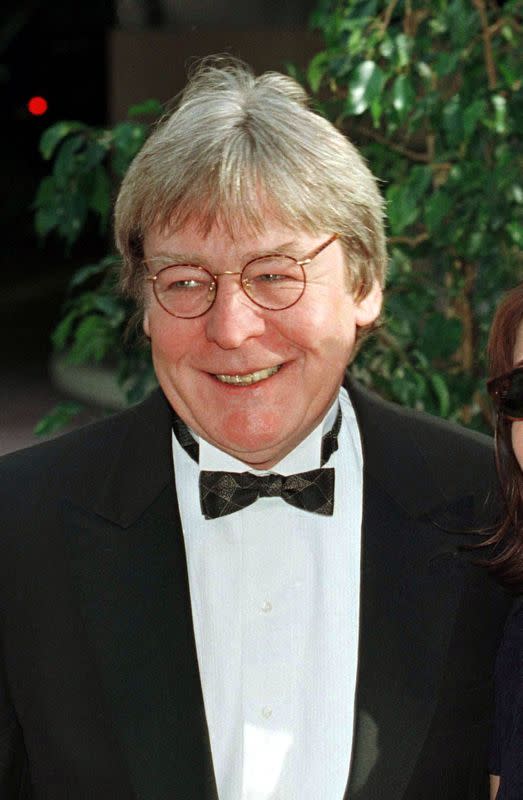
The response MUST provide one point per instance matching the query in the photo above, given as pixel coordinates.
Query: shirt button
(266, 712)
(266, 607)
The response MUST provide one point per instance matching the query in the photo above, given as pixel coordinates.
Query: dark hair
(507, 563)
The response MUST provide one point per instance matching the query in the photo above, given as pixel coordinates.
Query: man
(245, 587)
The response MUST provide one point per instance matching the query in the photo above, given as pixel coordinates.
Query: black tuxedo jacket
(100, 694)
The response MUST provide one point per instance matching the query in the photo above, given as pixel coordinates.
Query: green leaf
(316, 70)
(94, 153)
(149, 108)
(512, 79)
(500, 113)
(46, 192)
(445, 63)
(111, 307)
(424, 70)
(72, 215)
(368, 9)
(404, 46)
(128, 137)
(100, 197)
(472, 115)
(45, 220)
(55, 134)
(85, 302)
(66, 165)
(355, 43)
(404, 200)
(438, 24)
(366, 84)
(60, 416)
(92, 339)
(403, 95)
(376, 110)
(408, 387)
(515, 230)
(90, 270)
(438, 206)
(440, 337)
(386, 47)
(402, 208)
(453, 121)
(441, 391)
(142, 379)
(63, 331)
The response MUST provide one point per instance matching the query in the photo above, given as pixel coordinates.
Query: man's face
(517, 427)
(306, 347)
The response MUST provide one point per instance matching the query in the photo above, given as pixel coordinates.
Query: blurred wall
(153, 63)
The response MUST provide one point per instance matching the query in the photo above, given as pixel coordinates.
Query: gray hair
(237, 149)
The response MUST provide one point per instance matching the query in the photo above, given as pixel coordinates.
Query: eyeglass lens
(511, 395)
(272, 282)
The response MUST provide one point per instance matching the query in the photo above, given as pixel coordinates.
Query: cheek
(517, 441)
(326, 327)
(170, 340)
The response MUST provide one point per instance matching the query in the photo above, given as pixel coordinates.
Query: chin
(251, 443)
(244, 446)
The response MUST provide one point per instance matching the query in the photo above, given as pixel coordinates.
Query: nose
(233, 317)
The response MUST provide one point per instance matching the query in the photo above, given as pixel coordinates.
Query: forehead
(192, 240)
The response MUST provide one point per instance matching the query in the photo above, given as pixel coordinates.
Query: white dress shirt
(275, 605)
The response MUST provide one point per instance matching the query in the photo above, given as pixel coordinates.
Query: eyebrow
(290, 248)
(177, 258)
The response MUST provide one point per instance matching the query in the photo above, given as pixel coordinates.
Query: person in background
(505, 385)
(244, 588)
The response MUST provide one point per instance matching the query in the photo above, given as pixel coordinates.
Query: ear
(367, 310)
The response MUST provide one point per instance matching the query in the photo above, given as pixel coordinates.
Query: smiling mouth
(250, 378)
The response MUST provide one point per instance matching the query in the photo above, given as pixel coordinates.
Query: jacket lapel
(128, 564)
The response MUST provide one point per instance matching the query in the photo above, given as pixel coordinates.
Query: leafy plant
(87, 163)
(432, 94)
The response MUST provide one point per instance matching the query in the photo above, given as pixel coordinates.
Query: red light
(37, 106)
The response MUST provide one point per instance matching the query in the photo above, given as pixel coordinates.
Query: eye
(184, 284)
(183, 279)
(273, 269)
(271, 277)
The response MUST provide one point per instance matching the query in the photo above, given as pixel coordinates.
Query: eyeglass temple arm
(318, 250)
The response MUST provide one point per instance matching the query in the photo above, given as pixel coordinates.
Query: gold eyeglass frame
(214, 284)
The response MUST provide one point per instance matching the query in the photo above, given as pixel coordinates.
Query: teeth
(246, 380)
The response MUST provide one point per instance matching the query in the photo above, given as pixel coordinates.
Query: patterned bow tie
(223, 493)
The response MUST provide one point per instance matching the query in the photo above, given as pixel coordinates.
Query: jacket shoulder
(414, 453)
(69, 456)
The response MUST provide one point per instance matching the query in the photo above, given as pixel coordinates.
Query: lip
(248, 380)
(243, 372)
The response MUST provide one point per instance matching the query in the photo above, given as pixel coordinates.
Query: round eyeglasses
(273, 282)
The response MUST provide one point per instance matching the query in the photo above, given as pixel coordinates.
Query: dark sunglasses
(506, 392)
